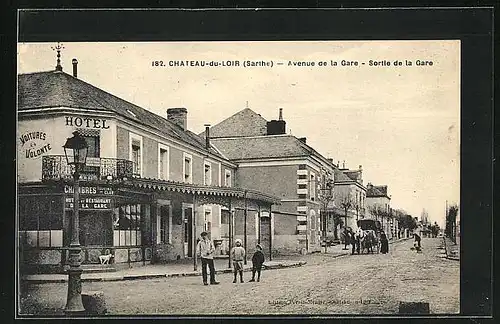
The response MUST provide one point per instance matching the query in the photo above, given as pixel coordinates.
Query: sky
(401, 123)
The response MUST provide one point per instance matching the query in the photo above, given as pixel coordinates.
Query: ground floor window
(40, 221)
(127, 225)
(163, 224)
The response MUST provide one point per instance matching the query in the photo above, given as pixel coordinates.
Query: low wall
(166, 252)
(52, 260)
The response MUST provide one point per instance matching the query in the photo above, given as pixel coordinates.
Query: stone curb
(165, 275)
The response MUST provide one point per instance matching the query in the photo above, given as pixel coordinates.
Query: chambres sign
(34, 144)
(93, 197)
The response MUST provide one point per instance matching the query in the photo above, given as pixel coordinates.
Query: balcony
(55, 167)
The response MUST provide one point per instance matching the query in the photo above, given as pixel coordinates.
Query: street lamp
(326, 197)
(75, 151)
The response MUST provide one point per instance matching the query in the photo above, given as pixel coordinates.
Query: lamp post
(326, 197)
(75, 151)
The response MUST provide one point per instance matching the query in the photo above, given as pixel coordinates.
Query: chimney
(277, 127)
(303, 139)
(207, 136)
(331, 161)
(369, 185)
(75, 67)
(178, 116)
(360, 168)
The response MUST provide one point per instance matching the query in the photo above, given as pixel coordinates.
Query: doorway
(95, 228)
(187, 215)
(265, 221)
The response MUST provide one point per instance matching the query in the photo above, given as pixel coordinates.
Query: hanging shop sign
(90, 203)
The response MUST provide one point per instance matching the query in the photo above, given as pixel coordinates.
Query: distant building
(282, 165)
(350, 192)
(378, 204)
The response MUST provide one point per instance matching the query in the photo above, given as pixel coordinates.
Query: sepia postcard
(206, 178)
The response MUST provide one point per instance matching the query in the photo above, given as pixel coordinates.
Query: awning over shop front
(202, 190)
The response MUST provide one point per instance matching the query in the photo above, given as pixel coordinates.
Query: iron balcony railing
(55, 167)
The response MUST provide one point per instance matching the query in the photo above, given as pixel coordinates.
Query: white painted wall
(55, 132)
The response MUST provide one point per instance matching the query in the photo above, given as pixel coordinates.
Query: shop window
(40, 221)
(207, 174)
(127, 225)
(224, 221)
(163, 224)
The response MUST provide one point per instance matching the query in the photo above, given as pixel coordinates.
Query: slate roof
(354, 175)
(271, 146)
(59, 89)
(376, 191)
(245, 122)
(340, 176)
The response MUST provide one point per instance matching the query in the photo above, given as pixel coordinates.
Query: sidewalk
(151, 271)
(186, 268)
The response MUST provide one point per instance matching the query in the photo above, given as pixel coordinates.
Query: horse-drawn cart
(370, 242)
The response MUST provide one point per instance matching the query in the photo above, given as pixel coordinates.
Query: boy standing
(238, 255)
(257, 261)
(205, 249)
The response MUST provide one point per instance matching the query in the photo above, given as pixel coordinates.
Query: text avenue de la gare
(271, 63)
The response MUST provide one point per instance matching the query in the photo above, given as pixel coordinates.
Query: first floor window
(136, 157)
(163, 164)
(228, 181)
(312, 187)
(208, 174)
(188, 169)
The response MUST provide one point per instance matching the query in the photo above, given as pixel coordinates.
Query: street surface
(364, 284)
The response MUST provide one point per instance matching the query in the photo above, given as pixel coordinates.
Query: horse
(368, 241)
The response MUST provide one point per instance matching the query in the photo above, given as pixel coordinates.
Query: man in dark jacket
(257, 261)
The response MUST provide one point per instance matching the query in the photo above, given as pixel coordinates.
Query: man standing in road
(205, 250)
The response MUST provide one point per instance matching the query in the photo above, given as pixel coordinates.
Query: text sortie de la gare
(264, 63)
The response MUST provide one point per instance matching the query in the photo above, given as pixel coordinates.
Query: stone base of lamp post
(74, 304)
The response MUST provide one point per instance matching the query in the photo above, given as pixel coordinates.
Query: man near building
(205, 250)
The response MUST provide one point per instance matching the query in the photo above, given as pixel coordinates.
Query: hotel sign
(87, 122)
(92, 197)
(97, 203)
